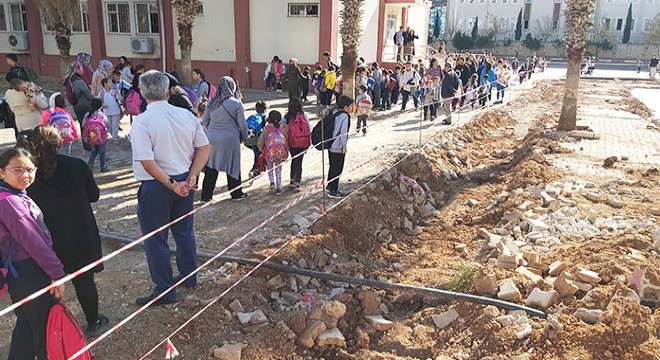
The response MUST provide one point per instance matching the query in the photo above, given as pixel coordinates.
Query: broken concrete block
(309, 335)
(564, 286)
(487, 235)
(505, 320)
(286, 332)
(615, 203)
(370, 302)
(593, 196)
(546, 198)
(528, 274)
(650, 293)
(275, 283)
(331, 337)
(588, 276)
(556, 268)
(379, 323)
(441, 321)
(554, 205)
(329, 312)
(530, 257)
(508, 261)
(583, 286)
(236, 306)
(508, 291)
(228, 352)
(485, 284)
(253, 318)
(542, 299)
(588, 315)
(491, 311)
(524, 332)
(537, 225)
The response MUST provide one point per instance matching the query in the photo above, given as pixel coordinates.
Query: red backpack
(299, 132)
(64, 336)
(95, 132)
(133, 102)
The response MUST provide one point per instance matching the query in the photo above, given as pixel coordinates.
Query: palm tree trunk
(568, 118)
(348, 65)
(186, 64)
(62, 36)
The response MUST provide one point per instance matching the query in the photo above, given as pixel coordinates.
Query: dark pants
(362, 123)
(210, 178)
(87, 295)
(430, 110)
(157, 206)
(257, 153)
(376, 95)
(328, 97)
(97, 150)
(385, 101)
(270, 81)
(395, 95)
(80, 113)
(336, 168)
(406, 95)
(29, 336)
(304, 88)
(296, 164)
(500, 91)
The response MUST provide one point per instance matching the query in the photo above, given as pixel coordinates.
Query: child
(298, 129)
(274, 143)
(22, 228)
(95, 133)
(122, 86)
(255, 123)
(58, 116)
(304, 83)
(337, 151)
(112, 101)
(484, 91)
(363, 102)
(428, 94)
(471, 90)
(395, 87)
(319, 77)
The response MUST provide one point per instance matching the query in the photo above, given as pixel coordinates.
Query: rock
(298, 322)
(331, 337)
(542, 299)
(275, 283)
(530, 257)
(370, 302)
(588, 315)
(506, 320)
(460, 248)
(593, 196)
(655, 212)
(472, 203)
(253, 318)
(655, 235)
(609, 162)
(441, 321)
(379, 323)
(564, 286)
(236, 306)
(588, 276)
(508, 261)
(528, 274)
(650, 293)
(537, 225)
(285, 330)
(488, 236)
(329, 312)
(615, 203)
(228, 352)
(508, 291)
(485, 284)
(313, 330)
(491, 311)
(524, 332)
(556, 268)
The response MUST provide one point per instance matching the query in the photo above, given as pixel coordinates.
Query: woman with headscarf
(58, 116)
(82, 94)
(103, 71)
(179, 96)
(83, 60)
(26, 100)
(224, 120)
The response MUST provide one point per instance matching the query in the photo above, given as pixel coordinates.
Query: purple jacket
(23, 221)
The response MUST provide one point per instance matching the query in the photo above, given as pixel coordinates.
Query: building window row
(118, 17)
(303, 10)
(13, 17)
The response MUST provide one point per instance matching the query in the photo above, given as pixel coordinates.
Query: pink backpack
(212, 90)
(60, 119)
(133, 103)
(276, 149)
(64, 336)
(95, 132)
(299, 132)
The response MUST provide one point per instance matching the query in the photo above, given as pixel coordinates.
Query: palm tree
(186, 11)
(351, 32)
(578, 23)
(59, 16)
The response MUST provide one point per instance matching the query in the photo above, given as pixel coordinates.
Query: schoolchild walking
(58, 116)
(363, 110)
(297, 125)
(274, 144)
(304, 83)
(255, 124)
(338, 149)
(112, 107)
(95, 133)
(427, 94)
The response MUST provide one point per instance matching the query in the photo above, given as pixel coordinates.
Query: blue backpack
(254, 129)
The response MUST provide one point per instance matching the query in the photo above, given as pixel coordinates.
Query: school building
(230, 37)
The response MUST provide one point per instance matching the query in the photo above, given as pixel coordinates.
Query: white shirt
(168, 135)
(110, 102)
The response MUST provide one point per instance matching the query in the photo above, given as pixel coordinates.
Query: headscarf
(78, 68)
(83, 58)
(105, 67)
(51, 101)
(226, 89)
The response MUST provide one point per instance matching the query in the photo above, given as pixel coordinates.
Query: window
(526, 24)
(81, 24)
(3, 19)
(514, 2)
(557, 1)
(146, 18)
(199, 10)
(119, 18)
(493, 1)
(303, 10)
(528, 1)
(619, 24)
(18, 17)
(607, 24)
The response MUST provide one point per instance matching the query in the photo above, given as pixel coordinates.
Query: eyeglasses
(21, 170)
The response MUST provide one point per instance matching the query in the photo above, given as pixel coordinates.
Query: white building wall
(213, 33)
(369, 41)
(273, 32)
(643, 11)
(80, 42)
(418, 20)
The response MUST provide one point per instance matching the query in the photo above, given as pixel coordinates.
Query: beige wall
(120, 44)
(213, 34)
(80, 42)
(272, 32)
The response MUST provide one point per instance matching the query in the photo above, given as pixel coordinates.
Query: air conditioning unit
(18, 41)
(142, 45)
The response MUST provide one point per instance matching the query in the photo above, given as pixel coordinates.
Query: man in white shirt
(409, 83)
(170, 148)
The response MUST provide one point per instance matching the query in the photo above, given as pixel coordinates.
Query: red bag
(64, 337)
(261, 163)
(299, 132)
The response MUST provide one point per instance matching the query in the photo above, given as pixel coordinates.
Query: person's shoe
(446, 122)
(162, 301)
(278, 191)
(240, 198)
(297, 187)
(336, 195)
(105, 169)
(364, 132)
(98, 327)
(272, 187)
(191, 283)
(204, 201)
(292, 185)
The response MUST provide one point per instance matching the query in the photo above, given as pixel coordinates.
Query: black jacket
(17, 71)
(466, 73)
(449, 84)
(65, 201)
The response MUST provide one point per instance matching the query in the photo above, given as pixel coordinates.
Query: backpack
(64, 336)
(213, 90)
(299, 133)
(61, 120)
(254, 130)
(94, 131)
(192, 94)
(133, 102)
(323, 139)
(7, 266)
(68, 91)
(364, 106)
(276, 149)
